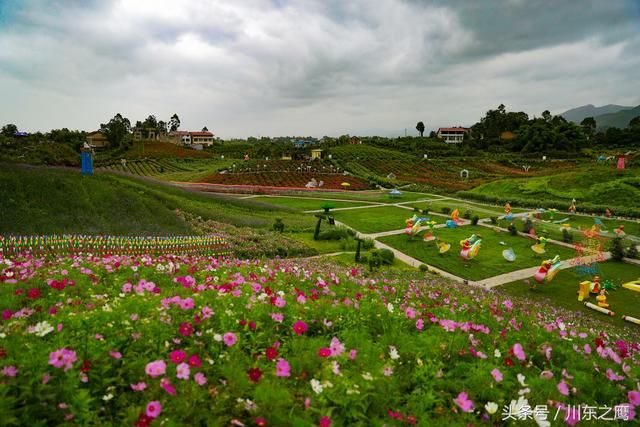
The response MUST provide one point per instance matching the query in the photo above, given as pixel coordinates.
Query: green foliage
(445, 210)
(567, 236)
(512, 229)
(387, 256)
(527, 226)
(617, 249)
(467, 214)
(336, 233)
(475, 219)
(9, 130)
(632, 251)
(420, 128)
(117, 131)
(494, 220)
(278, 225)
(424, 268)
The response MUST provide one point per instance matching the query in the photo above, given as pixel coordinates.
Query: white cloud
(259, 67)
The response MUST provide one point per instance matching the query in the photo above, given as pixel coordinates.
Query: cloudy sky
(311, 67)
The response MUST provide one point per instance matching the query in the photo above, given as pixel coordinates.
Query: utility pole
(405, 132)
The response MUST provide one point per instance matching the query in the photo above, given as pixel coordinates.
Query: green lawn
(305, 204)
(554, 231)
(489, 261)
(365, 196)
(562, 291)
(375, 220)
(322, 246)
(483, 211)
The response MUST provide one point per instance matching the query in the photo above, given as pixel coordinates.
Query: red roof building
(453, 135)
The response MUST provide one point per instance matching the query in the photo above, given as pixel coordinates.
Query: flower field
(210, 341)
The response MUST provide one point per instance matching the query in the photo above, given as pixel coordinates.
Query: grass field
(375, 220)
(489, 261)
(365, 196)
(42, 201)
(601, 185)
(305, 204)
(562, 291)
(482, 211)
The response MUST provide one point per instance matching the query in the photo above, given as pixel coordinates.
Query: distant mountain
(578, 114)
(620, 119)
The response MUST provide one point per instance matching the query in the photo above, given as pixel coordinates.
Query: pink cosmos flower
(300, 327)
(186, 329)
(279, 302)
(463, 402)
(410, 313)
(229, 339)
(115, 354)
(547, 375)
(207, 312)
(634, 397)
(612, 376)
(62, 357)
(153, 409)
(337, 348)
(283, 369)
(497, 375)
(156, 368)
(200, 378)
(277, 317)
(563, 388)
(324, 352)
(183, 371)
(10, 371)
(139, 386)
(419, 324)
(325, 422)
(177, 356)
(518, 351)
(352, 354)
(388, 371)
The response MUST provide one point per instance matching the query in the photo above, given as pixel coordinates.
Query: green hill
(620, 119)
(44, 200)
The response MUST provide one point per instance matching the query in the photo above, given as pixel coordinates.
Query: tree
(546, 115)
(588, 126)
(174, 122)
(634, 122)
(117, 130)
(204, 129)
(420, 127)
(9, 129)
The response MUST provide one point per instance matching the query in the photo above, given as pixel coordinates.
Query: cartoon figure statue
(602, 299)
(428, 236)
(455, 216)
(608, 213)
(620, 231)
(572, 208)
(548, 270)
(552, 213)
(507, 209)
(539, 246)
(470, 247)
(442, 246)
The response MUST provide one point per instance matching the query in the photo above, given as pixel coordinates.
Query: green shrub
(567, 237)
(445, 210)
(416, 209)
(278, 225)
(512, 230)
(617, 250)
(528, 225)
(374, 260)
(475, 219)
(387, 256)
(494, 220)
(336, 233)
(368, 243)
(632, 251)
(424, 268)
(467, 214)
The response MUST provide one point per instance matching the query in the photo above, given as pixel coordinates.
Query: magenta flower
(612, 376)
(419, 324)
(153, 409)
(156, 368)
(518, 351)
(229, 339)
(115, 354)
(300, 327)
(463, 402)
(283, 369)
(325, 422)
(410, 313)
(194, 361)
(186, 329)
(353, 353)
(177, 356)
(497, 375)
(166, 385)
(324, 352)
(183, 371)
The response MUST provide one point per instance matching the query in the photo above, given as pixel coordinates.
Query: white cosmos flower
(491, 407)
(316, 386)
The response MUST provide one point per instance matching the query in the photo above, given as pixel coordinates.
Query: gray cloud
(266, 67)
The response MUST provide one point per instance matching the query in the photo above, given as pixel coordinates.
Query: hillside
(620, 119)
(44, 200)
(580, 113)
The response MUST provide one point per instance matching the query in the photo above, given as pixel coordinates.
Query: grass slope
(375, 220)
(40, 200)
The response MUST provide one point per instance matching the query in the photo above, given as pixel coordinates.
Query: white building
(452, 135)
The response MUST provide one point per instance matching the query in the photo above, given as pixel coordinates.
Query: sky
(311, 67)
